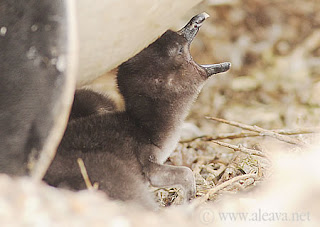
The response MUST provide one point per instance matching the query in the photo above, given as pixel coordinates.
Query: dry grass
(234, 169)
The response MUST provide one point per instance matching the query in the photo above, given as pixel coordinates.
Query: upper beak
(191, 29)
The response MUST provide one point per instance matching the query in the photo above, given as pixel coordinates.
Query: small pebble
(3, 31)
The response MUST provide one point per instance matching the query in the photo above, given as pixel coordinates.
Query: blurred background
(274, 48)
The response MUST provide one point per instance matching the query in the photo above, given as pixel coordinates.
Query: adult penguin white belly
(110, 32)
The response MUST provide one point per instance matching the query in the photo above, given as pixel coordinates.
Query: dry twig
(240, 135)
(240, 148)
(85, 176)
(262, 131)
(219, 187)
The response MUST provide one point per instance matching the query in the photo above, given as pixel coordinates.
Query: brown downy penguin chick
(87, 102)
(125, 151)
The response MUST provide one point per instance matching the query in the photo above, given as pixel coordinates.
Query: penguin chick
(125, 151)
(87, 102)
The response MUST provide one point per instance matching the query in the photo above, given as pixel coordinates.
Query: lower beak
(216, 68)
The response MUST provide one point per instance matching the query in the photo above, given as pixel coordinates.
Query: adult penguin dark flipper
(37, 82)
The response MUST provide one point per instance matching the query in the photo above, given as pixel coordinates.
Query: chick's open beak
(190, 31)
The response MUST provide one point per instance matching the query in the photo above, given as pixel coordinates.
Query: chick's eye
(175, 50)
(180, 50)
